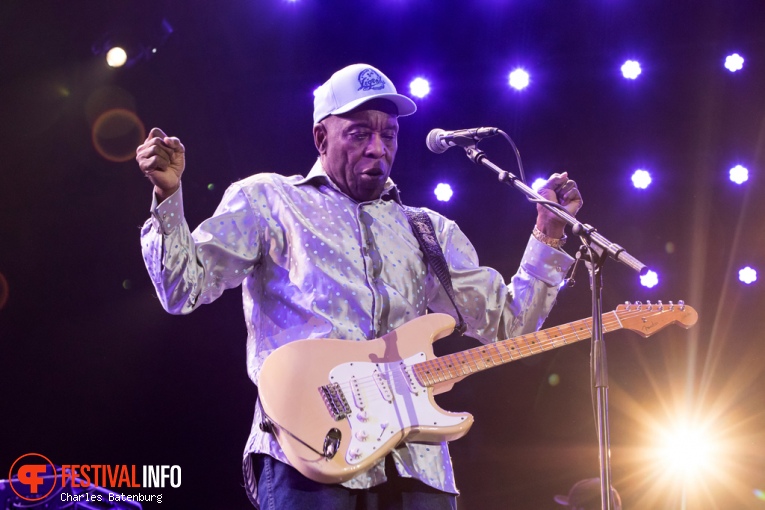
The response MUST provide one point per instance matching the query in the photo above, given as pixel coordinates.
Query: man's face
(357, 149)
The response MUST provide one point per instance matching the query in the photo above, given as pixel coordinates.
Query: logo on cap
(370, 80)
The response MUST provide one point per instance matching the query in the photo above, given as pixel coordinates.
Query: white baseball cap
(354, 85)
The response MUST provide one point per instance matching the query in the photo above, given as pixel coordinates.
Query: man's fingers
(174, 143)
(156, 133)
(153, 156)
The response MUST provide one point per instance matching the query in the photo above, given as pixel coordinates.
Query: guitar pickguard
(386, 402)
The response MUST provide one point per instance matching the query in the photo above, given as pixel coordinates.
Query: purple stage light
(519, 79)
(650, 279)
(419, 87)
(641, 179)
(739, 174)
(734, 62)
(443, 192)
(747, 275)
(631, 69)
(538, 183)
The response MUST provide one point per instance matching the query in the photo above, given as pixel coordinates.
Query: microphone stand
(595, 249)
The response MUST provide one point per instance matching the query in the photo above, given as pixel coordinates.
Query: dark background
(93, 371)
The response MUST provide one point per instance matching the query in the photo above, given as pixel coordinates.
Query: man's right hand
(162, 159)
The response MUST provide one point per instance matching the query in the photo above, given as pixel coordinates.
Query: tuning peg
(627, 305)
(681, 304)
(661, 306)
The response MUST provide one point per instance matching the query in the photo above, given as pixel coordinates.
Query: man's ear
(320, 137)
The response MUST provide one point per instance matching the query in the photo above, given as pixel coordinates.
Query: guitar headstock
(648, 318)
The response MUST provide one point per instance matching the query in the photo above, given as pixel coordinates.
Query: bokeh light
(641, 179)
(420, 87)
(631, 69)
(116, 133)
(739, 174)
(747, 275)
(734, 62)
(685, 451)
(650, 279)
(116, 57)
(519, 79)
(443, 192)
(538, 183)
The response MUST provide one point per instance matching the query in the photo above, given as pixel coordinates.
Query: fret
(616, 326)
(507, 348)
(550, 341)
(486, 358)
(531, 351)
(437, 363)
(449, 360)
(495, 353)
(499, 352)
(466, 362)
(424, 374)
(515, 347)
(432, 371)
(562, 335)
(480, 358)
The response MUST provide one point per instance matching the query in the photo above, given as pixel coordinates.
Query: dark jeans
(282, 487)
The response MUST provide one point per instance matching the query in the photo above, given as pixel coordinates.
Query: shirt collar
(319, 175)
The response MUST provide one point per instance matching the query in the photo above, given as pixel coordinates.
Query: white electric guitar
(338, 406)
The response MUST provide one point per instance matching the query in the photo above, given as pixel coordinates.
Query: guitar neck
(464, 363)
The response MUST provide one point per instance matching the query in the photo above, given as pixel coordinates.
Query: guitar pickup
(409, 378)
(382, 385)
(335, 400)
(358, 396)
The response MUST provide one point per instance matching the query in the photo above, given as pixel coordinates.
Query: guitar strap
(434, 255)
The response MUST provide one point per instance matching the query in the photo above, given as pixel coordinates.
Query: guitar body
(339, 406)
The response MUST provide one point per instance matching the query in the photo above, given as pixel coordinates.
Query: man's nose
(376, 147)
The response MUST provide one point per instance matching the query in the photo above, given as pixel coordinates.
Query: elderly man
(332, 255)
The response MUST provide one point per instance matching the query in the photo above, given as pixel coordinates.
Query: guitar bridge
(335, 400)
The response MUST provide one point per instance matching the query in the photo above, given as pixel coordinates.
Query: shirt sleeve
(493, 309)
(189, 269)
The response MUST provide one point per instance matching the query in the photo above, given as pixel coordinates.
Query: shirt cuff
(168, 214)
(545, 262)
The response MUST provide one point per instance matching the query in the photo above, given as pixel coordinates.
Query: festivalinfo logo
(36, 477)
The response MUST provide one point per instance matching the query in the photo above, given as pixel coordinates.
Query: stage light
(641, 179)
(747, 275)
(739, 174)
(650, 279)
(685, 451)
(734, 62)
(537, 184)
(419, 87)
(519, 79)
(443, 192)
(631, 69)
(116, 57)
(126, 45)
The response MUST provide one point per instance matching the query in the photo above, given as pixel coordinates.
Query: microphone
(439, 140)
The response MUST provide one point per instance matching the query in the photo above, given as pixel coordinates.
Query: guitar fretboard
(461, 364)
